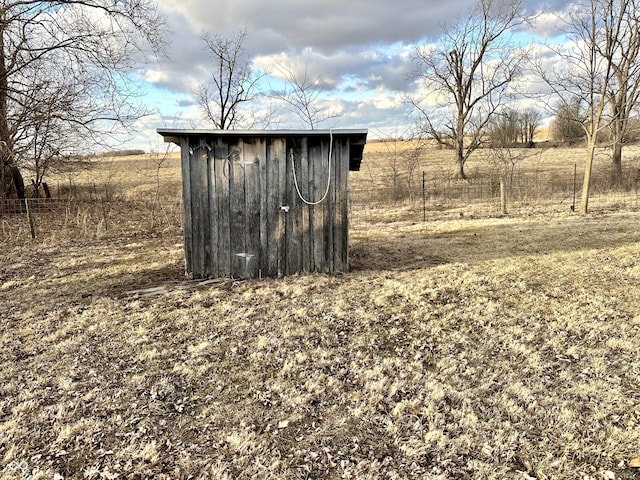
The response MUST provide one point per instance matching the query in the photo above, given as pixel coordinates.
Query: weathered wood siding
(243, 215)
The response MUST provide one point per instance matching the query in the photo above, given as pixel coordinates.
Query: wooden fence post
(424, 198)
(105, 216)
(503, 195)
(32, 222)
(575, 175)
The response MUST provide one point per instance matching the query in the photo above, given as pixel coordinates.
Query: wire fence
(97, 212)
(86, 217)
(496, 195)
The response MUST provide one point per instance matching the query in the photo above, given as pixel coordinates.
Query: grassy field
(477, 348)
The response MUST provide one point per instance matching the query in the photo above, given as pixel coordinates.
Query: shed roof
(357, 137)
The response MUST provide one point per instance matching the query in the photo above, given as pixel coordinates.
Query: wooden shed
(266, 203)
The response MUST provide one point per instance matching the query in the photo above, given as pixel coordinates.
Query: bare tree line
(513, 126)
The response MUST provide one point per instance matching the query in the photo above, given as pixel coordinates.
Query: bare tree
(400, 165)
(505, 128)
(567, 123)
(587, 68)
(233, 83)
(466, 76)
(530, 119)
(64, 77)
(302, 96)
(624, 88)
(513, 126)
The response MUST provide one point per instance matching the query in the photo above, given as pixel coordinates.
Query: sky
(359, 50)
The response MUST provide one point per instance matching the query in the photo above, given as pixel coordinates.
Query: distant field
(379, 158)
(382, 160)
(463, 347)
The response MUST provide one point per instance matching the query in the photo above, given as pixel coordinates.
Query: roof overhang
(357, 137)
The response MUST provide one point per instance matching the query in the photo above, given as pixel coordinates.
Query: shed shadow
(474, 241)
(393, 253)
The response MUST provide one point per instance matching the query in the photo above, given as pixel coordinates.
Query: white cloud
(548, 25)
(155, 76)
(360, 51)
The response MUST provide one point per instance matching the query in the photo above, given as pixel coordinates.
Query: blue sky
(360, 48)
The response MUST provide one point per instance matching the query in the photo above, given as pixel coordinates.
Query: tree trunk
(586, 184)
(618, 128)
(616, 158)
(460, 173)
(460, 160)
(12, 183)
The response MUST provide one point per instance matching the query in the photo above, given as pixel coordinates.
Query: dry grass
(455, 348)
(392, 172)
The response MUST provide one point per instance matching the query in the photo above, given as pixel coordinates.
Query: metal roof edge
(173, 132)
(357, 137)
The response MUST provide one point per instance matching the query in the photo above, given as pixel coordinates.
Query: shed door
(245, 209)
(249, 225)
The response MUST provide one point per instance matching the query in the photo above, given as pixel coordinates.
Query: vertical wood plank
(287, 216)
(254, 151)
(316, 157)
(338, 220)
(205, 213)
(294, 224)
(196, 241)
(236, 211)
(185, 158)
(329, 205)
(223, 172)
(275, 155)
(284, 210)
(310, 208)
(199, 207)
(263, 261)
(342, 210)
(213, 209)
(345, 204)
(305, 234)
